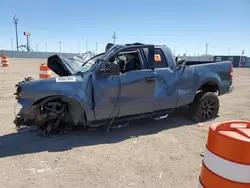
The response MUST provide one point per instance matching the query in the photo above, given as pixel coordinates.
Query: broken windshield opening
(111, 50)
(92, 60)
(86, 66)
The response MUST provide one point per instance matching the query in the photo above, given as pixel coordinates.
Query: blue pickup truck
(124, 83)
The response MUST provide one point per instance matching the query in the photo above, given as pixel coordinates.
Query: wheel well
(75, 108)
(209, 87)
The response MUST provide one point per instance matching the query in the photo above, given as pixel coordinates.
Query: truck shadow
(27, 142)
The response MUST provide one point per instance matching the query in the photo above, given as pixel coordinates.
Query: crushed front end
(21, 104)
(36, 108)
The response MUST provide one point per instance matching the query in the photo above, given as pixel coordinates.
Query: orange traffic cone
(226, 161)
(45, 71)
(5, 61)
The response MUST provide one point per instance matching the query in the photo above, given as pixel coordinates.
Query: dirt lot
(147, 153)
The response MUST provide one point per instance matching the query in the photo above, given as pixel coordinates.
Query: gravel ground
(164, 153)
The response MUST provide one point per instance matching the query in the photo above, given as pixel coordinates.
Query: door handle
(150, 79)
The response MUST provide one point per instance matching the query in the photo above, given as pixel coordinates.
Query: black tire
(205, 107)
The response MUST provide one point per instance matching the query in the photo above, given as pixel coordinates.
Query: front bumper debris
(19, 89)
(19, 119)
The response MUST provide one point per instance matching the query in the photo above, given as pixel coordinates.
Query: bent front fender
(29, 113)
(25, 104)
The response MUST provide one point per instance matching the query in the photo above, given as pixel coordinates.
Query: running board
(161, 117)
(158, 115)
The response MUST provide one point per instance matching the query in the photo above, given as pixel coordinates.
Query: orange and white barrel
(5, 61)
(45, 71)
(226, 162)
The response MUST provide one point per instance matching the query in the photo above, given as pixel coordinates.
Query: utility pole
(79, 48)
(27, 42)
(15, 20)
(114, 37)
(45, 46)
(206, 47)
(242, 54)
(27, 34)
(60, 46)
(175, 49)
(86, 44)
(96, 47)
(37, 47)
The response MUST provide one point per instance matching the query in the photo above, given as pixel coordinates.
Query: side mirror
(176, 59)
(181, 62)
(111, 69)
(112, 59)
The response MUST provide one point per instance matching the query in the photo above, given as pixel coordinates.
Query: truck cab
(142, 81)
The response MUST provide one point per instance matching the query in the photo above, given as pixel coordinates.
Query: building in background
(247, 62)
(238, 61)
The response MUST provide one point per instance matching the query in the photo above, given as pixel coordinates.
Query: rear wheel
(205, 107)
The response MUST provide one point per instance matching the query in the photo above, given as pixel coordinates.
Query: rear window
(160, 59)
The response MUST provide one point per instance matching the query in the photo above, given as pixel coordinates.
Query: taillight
(231, 73)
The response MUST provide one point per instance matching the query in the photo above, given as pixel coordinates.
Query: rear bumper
(231, 88)
(226, 90)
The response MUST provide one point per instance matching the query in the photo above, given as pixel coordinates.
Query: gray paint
(42, 55)
(173, 87)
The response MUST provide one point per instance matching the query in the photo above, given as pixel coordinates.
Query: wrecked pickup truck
(126, 82)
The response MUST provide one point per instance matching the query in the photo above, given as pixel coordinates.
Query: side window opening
(129, 60)
(159, 59)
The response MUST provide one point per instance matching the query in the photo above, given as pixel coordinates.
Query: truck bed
(201, 62)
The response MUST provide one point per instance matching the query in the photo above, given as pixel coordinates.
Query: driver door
(137, 93)
(126, 94)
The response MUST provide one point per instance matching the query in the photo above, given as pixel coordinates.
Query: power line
(15, 21)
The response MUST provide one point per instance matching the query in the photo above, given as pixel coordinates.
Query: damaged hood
(63, 66)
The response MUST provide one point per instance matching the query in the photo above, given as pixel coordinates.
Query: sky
(183, 25)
